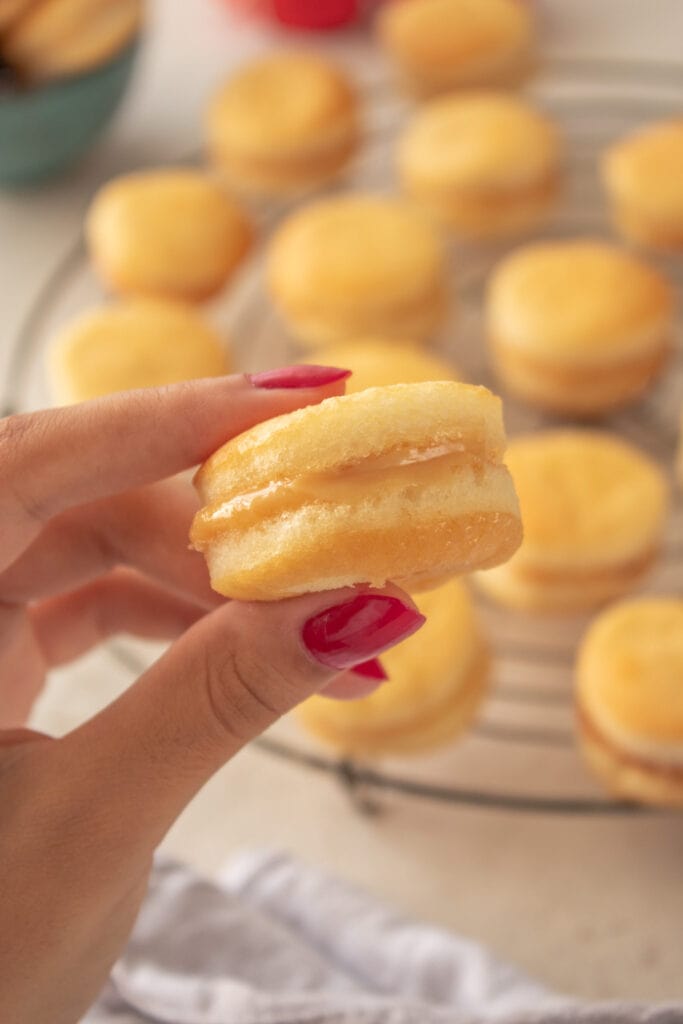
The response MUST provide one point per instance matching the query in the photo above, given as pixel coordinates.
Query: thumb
(225, 681)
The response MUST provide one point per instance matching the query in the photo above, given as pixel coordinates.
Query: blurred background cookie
(10, 10)
(52, 38)
(166, 233)
(485, 163)
(446, 44)
(578, 327)
(135, 344)
(593, 510)
(629, 698)
(377, 362)
(643, 176)
(437, 680)
(358, 264)
(283, 123)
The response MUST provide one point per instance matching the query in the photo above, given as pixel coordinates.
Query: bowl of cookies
(64, 68)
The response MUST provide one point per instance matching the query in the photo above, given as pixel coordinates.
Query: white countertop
(593, 906)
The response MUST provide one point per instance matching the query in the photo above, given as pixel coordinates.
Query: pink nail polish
(372, 669)
(299, 377)
(351, 633)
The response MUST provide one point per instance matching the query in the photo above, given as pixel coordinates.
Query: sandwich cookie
(283, 123)
(439, 45)
(378, 362)
(578, 327)
(485, 164)
(141, 343)
(166, 234)
(403, 483)
(643, 176)
(437, 681)
(358, 265)
(629, 698)
(593, 509)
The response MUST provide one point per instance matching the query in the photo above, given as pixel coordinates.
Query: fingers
(22, 672)
(145, 529)
(225, 681)
(122, 602)
(60, 458)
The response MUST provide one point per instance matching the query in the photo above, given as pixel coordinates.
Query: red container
(302, 14)
(315, 14)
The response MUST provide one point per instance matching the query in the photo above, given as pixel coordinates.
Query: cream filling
(309, 163)
(574, 568)
(466, 68)
(656, 752)
(346, 485)
(486, 197)
(576, 354)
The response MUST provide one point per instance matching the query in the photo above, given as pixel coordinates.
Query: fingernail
(299, 377)
(351, 633)
(373, 669)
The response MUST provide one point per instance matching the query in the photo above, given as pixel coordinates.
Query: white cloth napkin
(273, 941)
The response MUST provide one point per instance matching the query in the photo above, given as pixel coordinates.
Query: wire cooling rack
(521, 754)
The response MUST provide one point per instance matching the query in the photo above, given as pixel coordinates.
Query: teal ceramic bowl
(45, 130)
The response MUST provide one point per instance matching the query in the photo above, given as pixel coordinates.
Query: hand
(93, 541)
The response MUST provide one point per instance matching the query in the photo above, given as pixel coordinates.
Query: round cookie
(355, 265)
(66, 37)
(448, 44)
(578, 327)
(136, 344)
(593, 509)
(629, 698)
(166, 234)
(486, 164)
(401, 483)
(437, 681)
(283, 123)
(643, 177)
(378, 362)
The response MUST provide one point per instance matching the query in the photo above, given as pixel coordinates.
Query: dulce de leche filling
(345, 485)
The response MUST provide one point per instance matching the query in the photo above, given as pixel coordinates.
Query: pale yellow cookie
(593, 510)
(66, 37)
(643, 176)
(377, 362)
(578, 327)
(283, 123)
(136, 344)
(629, 699)
(358, 264)
(439, 45)
(485, 163)
(166, 234)
(437, 680)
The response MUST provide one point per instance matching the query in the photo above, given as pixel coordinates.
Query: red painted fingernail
(351, 633)
(373, 669)
(299, 377)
